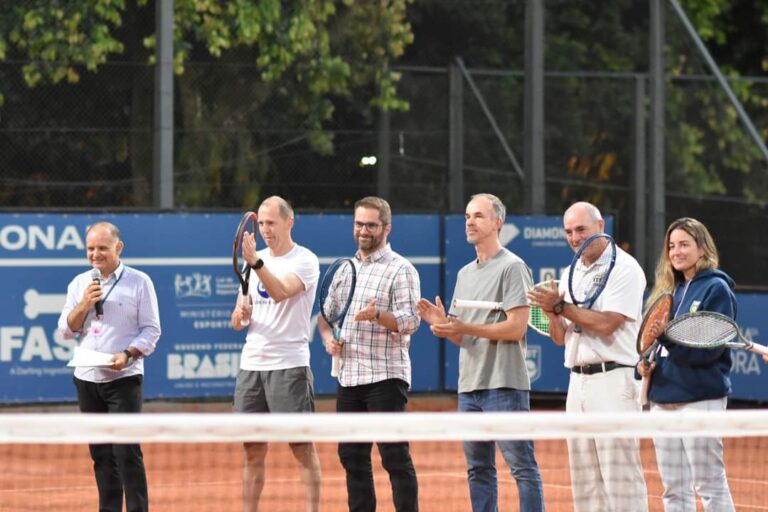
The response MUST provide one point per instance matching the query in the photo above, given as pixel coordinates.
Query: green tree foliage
(590, 115)
(304, 56)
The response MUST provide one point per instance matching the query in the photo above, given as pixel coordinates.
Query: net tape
(381, 427)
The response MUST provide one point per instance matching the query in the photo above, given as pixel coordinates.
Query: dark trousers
(385, 396)
(118, 467)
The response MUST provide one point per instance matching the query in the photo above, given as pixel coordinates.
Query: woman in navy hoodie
(691, 379)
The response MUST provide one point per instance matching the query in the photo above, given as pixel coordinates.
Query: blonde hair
(666, 276)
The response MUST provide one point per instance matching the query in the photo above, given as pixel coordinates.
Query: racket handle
(246, 300)
(760, 349)
(642, 398)
(335, 364)
(336, 361)
(476, 304)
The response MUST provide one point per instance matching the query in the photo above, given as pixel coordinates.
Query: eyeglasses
(370, 226)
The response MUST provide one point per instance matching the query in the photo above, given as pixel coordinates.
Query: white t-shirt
(623, 294)
(279, 333)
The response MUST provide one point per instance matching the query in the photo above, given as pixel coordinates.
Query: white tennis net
(194, 461)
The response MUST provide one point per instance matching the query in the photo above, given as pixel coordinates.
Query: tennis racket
(646, 342)
(537, 319)
(242, 270)
(335, 297)
(585, 292)
(707, 329)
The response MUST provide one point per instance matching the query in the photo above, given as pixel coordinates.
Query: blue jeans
(481, 455)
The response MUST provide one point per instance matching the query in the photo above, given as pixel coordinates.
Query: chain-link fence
(90, 145)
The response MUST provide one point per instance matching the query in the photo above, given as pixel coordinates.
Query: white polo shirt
(623, 294)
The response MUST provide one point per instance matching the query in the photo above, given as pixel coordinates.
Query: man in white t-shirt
(274, 371)
(606, 474)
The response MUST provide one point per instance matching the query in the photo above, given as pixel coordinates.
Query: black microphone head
(96, 276)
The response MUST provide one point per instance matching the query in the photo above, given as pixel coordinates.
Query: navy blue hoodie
(694, 374)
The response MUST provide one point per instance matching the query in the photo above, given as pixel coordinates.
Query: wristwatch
(128, 355)
(259, 263)
(559, 307)
(377, 316)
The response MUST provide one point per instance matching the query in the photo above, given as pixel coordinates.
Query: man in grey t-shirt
(492, 372)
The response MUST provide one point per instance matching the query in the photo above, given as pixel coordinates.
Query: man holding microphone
(113, 309)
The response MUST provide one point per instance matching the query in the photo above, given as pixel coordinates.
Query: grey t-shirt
(484, 363)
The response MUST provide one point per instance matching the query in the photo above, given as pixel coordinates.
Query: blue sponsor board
(188, 257)
(749, 374)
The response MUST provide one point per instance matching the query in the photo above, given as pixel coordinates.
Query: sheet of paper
(88, 357)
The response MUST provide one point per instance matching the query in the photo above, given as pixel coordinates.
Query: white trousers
(694, 465)
(606, 474)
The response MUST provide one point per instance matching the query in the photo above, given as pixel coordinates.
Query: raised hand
(431, 313)
(249, 248)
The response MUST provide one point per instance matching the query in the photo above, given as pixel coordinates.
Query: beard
(369, 243)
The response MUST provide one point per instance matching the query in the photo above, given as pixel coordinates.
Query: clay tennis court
(207, 477)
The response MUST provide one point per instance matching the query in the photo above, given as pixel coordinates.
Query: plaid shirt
(371, 352)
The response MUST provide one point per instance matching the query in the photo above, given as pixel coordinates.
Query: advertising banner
(188, 257)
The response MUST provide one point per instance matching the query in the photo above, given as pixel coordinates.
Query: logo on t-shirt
(533, 361)
(694, 306)
(261, 290)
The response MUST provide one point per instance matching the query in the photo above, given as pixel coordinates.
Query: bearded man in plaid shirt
(375, 371)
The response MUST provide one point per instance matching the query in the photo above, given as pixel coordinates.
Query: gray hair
(113, 230)
(592, 210)
(499, 210)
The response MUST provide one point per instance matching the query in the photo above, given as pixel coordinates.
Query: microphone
(96, 276)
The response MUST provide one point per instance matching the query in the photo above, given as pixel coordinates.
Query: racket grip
(760, 349)
(336, 361)
(335, 364)
(642, 398)
(246, 300)
(476, 304)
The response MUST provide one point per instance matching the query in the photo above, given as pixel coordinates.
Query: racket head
(702, 329)
(336, 291)
(585, 294)
(248, 223)
(660, 310)
(537, 319)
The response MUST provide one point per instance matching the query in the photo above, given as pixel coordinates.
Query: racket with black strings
(248, 224)
(600, 249)
(658, 312)
(335, 296)
(709, 330)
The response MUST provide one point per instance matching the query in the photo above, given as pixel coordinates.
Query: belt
(589, 369)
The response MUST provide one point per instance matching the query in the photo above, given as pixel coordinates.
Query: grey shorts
(288, 390)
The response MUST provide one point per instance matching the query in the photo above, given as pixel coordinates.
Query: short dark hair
(376, 203)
